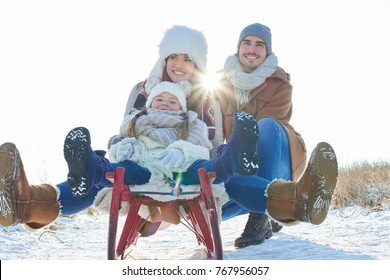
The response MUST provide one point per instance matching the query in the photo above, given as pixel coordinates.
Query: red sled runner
(204, 224)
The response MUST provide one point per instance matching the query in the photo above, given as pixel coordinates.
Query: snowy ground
(77, 248)
(351, 234)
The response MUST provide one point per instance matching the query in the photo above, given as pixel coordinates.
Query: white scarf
(243, 82)
(162, 126)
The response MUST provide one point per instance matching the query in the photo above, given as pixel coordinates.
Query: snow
(353, 233)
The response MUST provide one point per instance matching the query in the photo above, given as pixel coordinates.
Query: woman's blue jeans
(247, 193)
(135, 174)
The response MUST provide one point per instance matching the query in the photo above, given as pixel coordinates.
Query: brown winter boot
(33, 205)
(307, 200)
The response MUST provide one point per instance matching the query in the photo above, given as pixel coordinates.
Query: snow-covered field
(352, 235)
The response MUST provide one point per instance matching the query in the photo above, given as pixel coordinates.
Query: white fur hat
(180, 40)
(171, 88)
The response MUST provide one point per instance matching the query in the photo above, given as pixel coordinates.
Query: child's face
(165, 101)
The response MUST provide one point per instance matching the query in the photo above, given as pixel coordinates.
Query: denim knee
(274, 150)
(269, 126)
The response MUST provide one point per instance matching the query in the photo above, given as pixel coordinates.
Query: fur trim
(158, 184)
(56, 189)
(179, 40)
(293, 223)
(30, 229)
(274, 180)
(184, 40)
(102, 202)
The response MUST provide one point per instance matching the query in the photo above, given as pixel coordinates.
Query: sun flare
(211, 81)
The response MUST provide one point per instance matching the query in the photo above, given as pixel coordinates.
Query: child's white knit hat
(171, 88)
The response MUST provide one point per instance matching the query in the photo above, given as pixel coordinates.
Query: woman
(182, 59)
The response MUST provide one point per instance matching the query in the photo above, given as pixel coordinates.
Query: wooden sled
(204, 226)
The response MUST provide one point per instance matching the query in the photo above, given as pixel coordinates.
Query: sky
(73, 63)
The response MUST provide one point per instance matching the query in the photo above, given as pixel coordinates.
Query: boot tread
(325, 172)
(247, 135)
(76, 149)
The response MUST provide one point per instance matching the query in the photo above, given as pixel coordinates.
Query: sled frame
(204, 226)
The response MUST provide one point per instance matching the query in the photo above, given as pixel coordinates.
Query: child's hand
(125, 149)
(171, 158)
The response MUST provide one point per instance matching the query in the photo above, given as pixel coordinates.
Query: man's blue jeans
(247, 193)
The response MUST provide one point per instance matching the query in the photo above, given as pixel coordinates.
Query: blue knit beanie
(259, 30)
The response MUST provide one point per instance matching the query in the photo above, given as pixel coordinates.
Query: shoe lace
(256, 221)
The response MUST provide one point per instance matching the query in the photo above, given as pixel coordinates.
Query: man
(253, 82)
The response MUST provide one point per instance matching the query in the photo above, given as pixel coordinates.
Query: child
(163, 126)
(163, 138)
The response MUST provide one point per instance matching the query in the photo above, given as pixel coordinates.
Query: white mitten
(171, 158)
(125, 149)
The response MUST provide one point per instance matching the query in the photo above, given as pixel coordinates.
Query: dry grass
(364, 184)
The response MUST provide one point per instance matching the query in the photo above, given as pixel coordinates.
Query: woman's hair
(182, 130)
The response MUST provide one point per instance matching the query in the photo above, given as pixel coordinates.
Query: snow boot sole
(238, 243)
(247, 137)
(76, 150)
(325, 171)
